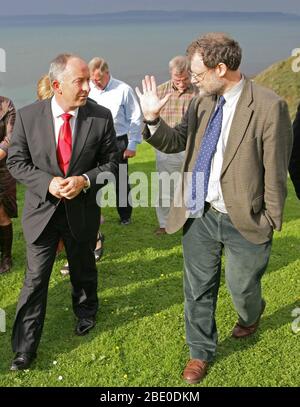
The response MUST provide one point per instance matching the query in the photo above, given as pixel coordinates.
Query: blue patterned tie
(201, 171)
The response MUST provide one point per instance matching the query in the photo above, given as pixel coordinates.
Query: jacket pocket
(257, 204)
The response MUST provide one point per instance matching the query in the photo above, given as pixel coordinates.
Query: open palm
(151, 105)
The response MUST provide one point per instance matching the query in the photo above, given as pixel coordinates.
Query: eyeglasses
(198, 76)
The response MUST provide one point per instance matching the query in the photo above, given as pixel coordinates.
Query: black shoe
(99, 252)
(22, 360)
(84, 325)
(125, 222)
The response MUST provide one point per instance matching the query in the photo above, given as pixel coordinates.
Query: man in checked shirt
(182, 91)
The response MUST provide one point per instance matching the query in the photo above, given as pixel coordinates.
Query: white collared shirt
(119, 98)
(57, 111)
(214, 194)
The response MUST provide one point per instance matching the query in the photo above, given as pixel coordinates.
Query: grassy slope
(281, 78)
(139, 337)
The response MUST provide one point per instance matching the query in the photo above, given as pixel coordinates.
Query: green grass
(281, 78)
(139, 338)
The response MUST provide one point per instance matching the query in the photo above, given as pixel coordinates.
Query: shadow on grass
(268, 323)
(285, 250)
(153, 293)
(158, 288)
(119, 309)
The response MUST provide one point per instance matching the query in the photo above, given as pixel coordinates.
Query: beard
(215, 86)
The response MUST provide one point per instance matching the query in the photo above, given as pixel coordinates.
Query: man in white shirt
(119, 98)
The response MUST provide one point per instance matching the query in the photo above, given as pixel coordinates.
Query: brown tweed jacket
(254, 171)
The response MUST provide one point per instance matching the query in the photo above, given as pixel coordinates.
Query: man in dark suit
(237, 137)
(294, 167)
(59, 147)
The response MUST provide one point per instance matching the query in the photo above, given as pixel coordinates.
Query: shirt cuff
(152, 128)
(88, 182)
(131, 145)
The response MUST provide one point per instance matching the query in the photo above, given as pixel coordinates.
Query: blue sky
(17, 7)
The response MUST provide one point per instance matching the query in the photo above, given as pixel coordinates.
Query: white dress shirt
(57, 111)
(119, 98)
(214, 194)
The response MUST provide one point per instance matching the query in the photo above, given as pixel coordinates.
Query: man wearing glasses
(238, 140)
(182, 92)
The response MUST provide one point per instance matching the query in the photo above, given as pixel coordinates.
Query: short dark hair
(215, 48)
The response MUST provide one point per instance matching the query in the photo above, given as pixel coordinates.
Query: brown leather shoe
(195, 370)
(240, 331)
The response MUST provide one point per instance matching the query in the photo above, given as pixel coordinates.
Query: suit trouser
(31, 308)
(203, 241)
(170, 164)
(122, 191)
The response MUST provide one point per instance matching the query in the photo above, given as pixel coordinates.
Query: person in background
(119, 98)
(181, 93)
(238, 139)
(58, 149)
(294, 167)
(8, 199)
(44, 89)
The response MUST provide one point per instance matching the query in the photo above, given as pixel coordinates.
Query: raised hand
(151, 105)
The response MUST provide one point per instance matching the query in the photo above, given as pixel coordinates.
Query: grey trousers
(171, 164)
(203, 242)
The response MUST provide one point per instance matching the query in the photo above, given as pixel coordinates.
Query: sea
(133, 43)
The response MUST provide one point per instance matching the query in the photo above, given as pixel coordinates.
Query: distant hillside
(147, 16)
(283, 81)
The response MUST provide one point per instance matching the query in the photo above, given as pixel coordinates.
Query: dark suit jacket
(254, 171)
(294, 167)
(32, 161)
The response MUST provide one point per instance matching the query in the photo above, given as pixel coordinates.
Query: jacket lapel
(83, 125)
(48, 133)
(239, 124)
